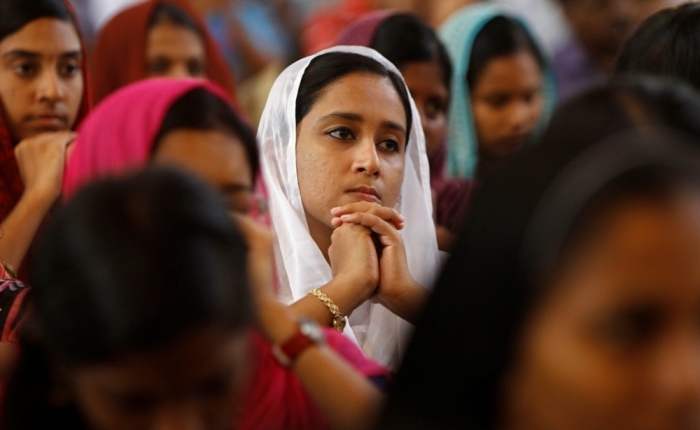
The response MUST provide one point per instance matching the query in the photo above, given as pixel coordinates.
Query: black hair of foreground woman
(571, 299)
(113, 302)
(626, 102)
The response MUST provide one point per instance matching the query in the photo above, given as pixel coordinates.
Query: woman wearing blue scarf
(503, 90)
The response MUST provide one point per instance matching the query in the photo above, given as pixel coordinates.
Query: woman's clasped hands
(367, 246)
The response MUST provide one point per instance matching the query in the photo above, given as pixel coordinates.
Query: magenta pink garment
(361, 31)
(119, 134)
(276, 398)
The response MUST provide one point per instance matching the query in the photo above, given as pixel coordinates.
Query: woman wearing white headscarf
(343, 155)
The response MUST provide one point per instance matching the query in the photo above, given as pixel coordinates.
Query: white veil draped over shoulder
(299, 262)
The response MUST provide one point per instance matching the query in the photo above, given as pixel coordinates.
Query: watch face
(312, 330)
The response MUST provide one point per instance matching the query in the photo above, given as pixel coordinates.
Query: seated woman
(346, 168)
(665, 45)
(583, 286)
(502, 91)
(415, 49)
(158, 38)
(146, 303)
(42, 98)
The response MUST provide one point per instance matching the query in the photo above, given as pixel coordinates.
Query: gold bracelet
(338, 318)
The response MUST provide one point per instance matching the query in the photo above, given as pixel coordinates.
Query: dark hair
(521, 221)
(128, 265)
(502, 36)
(666, 44)
(625, 103)
(405, 38)
(15, 14)
(199, 109)
(328, 68)
(168, 13)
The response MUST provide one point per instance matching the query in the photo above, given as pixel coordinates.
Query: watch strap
(288, 352)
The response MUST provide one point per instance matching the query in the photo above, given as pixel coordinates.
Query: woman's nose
(366, 158)
(179, 71)
(49, 87)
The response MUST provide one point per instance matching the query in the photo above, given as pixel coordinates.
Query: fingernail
(335, 210)
(345, 217)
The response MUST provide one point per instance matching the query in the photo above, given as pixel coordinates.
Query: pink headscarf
(361, 31)
(119, 134)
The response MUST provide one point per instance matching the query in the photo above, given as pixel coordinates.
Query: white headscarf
(300, 264)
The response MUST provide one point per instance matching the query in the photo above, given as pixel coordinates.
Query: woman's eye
(158, 66)
(631, 329)
(389, 145)
(433, 109)
(69, 70)
(497, 102)
(238, 201)
(195, 68)
(341, 133)
(25, 69)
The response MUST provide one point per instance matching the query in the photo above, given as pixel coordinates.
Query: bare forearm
(346, 398)
(20, 227)
(408, 303)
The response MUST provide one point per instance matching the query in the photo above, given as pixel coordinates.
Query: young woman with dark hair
(346, 168)
(502, 93)
(43, 96)
(571, 299)
(158, 38)
(502, 89)
(152, 310)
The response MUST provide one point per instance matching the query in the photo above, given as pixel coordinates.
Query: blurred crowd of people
(350, 214)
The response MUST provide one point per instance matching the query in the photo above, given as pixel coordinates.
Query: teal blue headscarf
(458, 34)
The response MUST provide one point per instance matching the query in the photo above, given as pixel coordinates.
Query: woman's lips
(364, 197)
(515, 142)
(366, 194)
(48, 122)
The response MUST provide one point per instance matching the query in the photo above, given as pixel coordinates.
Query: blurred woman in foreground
(572, 299)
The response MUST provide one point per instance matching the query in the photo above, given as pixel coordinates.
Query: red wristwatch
(309, 334)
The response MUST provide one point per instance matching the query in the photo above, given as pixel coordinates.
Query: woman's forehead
(44, 36)
(365, 94)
